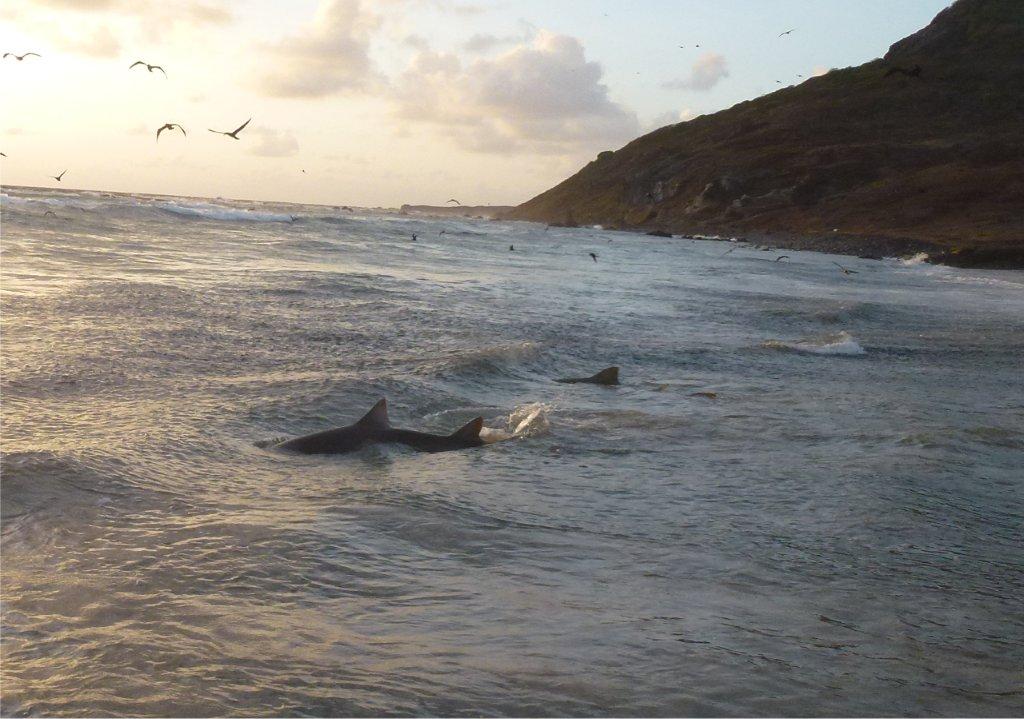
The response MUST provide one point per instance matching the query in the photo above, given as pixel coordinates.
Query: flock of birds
(233, 134)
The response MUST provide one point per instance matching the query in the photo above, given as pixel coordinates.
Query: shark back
(607, 376)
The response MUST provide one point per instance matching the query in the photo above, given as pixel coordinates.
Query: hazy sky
(395, 100)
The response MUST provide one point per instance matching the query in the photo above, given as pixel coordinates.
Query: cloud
(329, 56)
(707, 72)
(482, 42)
(100, 43)
(671, 117)
(191, 12)
(542, 97)
(274, 143)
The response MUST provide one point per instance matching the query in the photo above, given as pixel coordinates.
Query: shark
(607, 376)
(375, 428)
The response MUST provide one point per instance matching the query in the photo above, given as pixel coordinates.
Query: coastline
(870, 247)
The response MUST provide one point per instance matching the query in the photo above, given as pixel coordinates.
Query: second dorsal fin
(609, 375)
(376, 417)
(470, 430)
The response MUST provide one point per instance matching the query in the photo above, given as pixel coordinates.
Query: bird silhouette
(170, 126)
(912, 72)
(593, 257)
(782, 257)
(3, 154)
(845, 271)
(414, 237)
(511, 248)
(786, 33)
(19, 58)
(454, 200)
(149, 67)
(57, 177)
(234, 133)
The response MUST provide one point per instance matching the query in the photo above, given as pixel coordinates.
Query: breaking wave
(207, 211)
(526, 420)
(841, 343)
(119, 206)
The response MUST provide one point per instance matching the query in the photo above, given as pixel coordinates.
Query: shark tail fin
(609, 375)
(377, 417)
(469, 431)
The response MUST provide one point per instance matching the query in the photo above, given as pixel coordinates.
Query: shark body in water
(607, 376)
(375, 427)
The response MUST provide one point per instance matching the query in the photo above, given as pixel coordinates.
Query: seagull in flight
(149, 67)
(786, 33)
(782, 257)
(593, 257)
(845, 271)
(234, 133)
(19, 58)
(454, 200)
(170, 126)
(57, 177)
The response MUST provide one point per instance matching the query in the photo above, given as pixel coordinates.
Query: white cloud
(670, 118)
(274, 143)
(483, 42)
(99, 43)
(329, 56)
(543, 97)
(707, 72)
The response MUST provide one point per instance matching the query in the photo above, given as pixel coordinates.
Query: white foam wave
(841, 343)
(207, 211)
(526, 420)
(198, 210)
(919, 259)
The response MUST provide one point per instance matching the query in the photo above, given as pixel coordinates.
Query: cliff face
(935, 157)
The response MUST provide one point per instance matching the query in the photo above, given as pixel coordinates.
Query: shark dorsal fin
(376, 417)
(609, 375)
(470, 430)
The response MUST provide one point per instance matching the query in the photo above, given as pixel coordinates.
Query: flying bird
(786, 33)
(171, 126)
(593, 257)
(454, 200)
(912, 72)
(511, 248)
(782, 257)
(149, 67)
(845, 271)
(57, 177)
(19, 58)
(233, 133)
(3, 154)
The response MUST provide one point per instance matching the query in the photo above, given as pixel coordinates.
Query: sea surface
(805, 498)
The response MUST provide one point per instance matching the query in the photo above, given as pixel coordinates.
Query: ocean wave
(919, 259)
(526, 420)
(116, 206)
(207, 211)
(841, 344)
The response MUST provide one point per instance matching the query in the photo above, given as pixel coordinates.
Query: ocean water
(806, 497)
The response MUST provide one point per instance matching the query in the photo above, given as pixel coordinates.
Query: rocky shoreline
(1002, 257)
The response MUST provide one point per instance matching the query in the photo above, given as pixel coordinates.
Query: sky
(385, 102)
